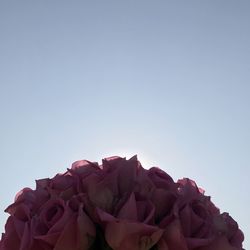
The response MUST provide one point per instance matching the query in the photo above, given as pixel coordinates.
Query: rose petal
(220, 243)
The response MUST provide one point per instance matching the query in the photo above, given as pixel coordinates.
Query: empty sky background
(167, 80)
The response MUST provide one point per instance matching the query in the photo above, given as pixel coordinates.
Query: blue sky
(166, 80)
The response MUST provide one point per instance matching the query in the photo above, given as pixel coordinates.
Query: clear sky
(167, 80)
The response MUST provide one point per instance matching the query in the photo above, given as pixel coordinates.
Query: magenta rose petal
(50, 239)
(122, 235)
(146, 212)
(164, 201)
(86, 231)
(161, 179)
(129, 210)
(220, 243)
(10, 239)
(67, 239)
(76, 236)
(173, 238)
(26, 238)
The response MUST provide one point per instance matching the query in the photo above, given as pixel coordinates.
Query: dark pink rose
(128, 233)
(45, 219)
(64, 227)
(156, 185)
(227, 226)
(120, 209)
(82, 171)
(165, 206)
(110, 188)
(137, 210)
(55, 226)
(200, 220)
(118, 205)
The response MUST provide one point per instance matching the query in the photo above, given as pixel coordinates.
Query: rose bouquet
(117, 205)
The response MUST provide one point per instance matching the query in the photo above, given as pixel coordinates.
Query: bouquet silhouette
(117, 205)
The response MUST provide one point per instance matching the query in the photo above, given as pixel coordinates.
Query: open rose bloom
(117, 205)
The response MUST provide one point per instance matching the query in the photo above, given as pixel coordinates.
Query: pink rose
(200, 220)
(109, 188)
(126, 218)
(127, 232)
(45, 219)
(118, 205)
(63, 228)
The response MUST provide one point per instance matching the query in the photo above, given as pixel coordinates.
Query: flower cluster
(117, 205)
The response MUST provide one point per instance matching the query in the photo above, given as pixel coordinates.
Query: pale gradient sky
(167, 80)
